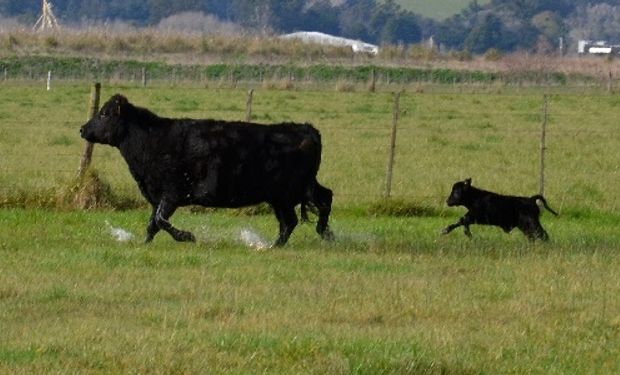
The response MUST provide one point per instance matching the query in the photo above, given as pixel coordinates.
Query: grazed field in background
(389, 296)
(438, 9)
(491, 136)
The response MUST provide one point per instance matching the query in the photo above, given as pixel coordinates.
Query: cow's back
(233, 164)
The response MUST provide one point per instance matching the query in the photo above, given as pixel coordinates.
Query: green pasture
(491, 135)
(438, 9)
(388, 296)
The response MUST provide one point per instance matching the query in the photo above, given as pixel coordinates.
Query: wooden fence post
(93, 108)
(390, 165)
(610, 82)
(373, 80)
(49, 80)
(248, 106)
(543, 146)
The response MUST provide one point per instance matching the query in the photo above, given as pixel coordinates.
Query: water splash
(119, 234)
(253, 240)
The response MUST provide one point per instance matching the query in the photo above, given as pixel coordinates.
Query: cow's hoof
(185, 237)
(328, 235)
(444, 231)
(189, 237)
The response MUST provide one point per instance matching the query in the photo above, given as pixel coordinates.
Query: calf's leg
(162, 214)
(463, 221)
(530, 226)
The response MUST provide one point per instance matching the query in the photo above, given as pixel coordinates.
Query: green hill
(437, 9)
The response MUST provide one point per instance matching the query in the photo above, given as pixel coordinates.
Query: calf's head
(459, 193)
(108, 125)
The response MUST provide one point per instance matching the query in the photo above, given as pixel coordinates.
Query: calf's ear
(468, 181)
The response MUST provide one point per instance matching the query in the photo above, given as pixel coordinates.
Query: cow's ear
(468, 181)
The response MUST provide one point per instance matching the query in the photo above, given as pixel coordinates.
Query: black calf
(506, 212)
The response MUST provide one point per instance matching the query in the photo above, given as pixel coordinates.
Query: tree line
(505, 25)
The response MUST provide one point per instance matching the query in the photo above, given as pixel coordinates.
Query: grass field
(491, 135)
(437, 9)
(388, 296)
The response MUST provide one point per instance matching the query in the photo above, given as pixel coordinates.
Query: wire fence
(143, 73)
(26, 168)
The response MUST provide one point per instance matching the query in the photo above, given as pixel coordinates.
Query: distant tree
(198, 22)
(526, 9)
(549, 24)
(381, 14)
(601, 21)
(159, 9)
(355, 18)
(390, 24)
(485, 34)
(136, 10)
(401, 29)
(501, 24)
(452, 32)
(285, 15)
(321, 16)
(219, 8)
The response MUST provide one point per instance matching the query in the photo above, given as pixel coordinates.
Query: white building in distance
(321, 38)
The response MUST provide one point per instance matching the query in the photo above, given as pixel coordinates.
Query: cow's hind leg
(163, 213)
(322, 198)
(288, 221)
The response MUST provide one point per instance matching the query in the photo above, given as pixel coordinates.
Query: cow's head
(459, 193)
(108, 125)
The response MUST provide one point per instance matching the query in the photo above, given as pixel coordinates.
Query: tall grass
(176, 47)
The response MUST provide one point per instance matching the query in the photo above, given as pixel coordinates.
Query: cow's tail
(544, 202)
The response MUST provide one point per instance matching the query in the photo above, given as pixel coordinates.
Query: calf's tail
(544, 202)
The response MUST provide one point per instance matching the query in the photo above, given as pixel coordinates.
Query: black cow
(180, 162)
(506, 212)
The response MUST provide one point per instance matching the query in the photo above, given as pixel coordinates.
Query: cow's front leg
(163, 213)
(288, 221)
(152, 228)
